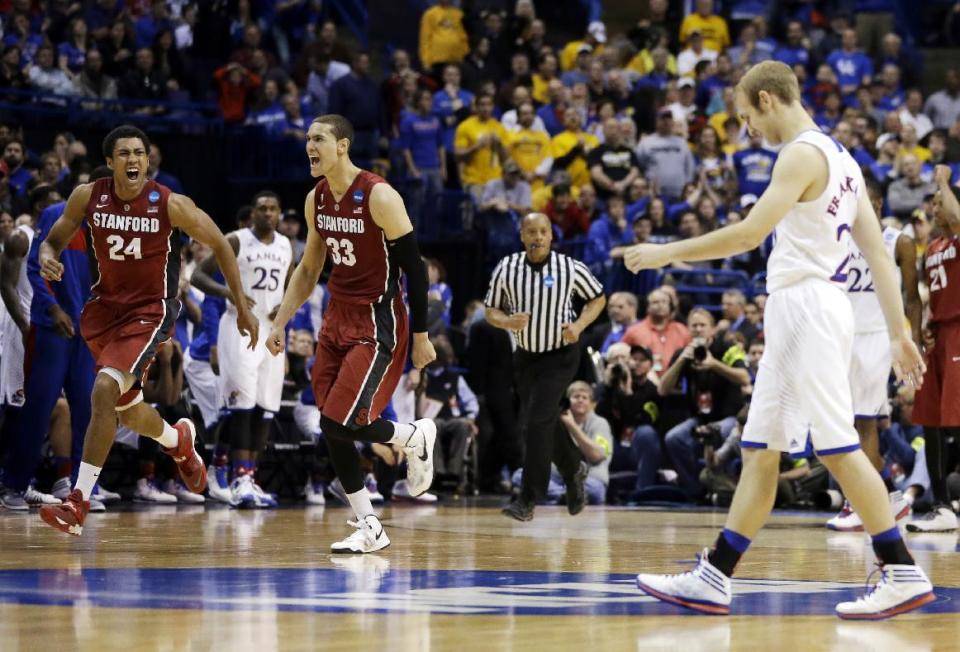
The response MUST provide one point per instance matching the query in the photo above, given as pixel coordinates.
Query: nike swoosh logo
(956, 358)
(379, 534)
(424, 457)
(102, 205)
(148, 323)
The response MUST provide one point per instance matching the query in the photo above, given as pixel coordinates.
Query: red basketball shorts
(361, 354)
(937, 403)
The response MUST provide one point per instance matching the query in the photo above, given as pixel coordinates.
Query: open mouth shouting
(133, 173)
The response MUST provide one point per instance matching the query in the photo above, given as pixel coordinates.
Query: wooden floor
(455, 578)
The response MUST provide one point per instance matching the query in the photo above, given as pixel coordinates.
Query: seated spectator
(11, 74)
(155, 160)
(234, 85)
(910, 146)
(594, 39)
(421, 141)
(943, 107)
(149, 25)
(169, 62)
(511, 118)
(267, 112)
(293, 125)
(587, 201)
(695, 52)
(442, 36)
(75, 48)
(439, 291)
(93, 82)
(903, 448)
(18, 176)
(709, 376)
(660, 75)
(571, 147)
(712, 27)
(892, 97)
(754, 166)
(733, 306)
(828, 118)
(547, 68)
(454, 408)
(553, 111)
(529, 147)
(749, 50)
(754, 352)
(45, 76)
(629, 403)
(509, 193)
(324, 72)
(117, 49)
(912, 114)
(592, 435)
(145, 82)
(666, 158)
(607, 239)
(852, 67)
(661, 230)
(659, 332)
(796, 50)
(479, 147)
(565, 213)
(844, 133)
(613, 165)
(622, 312)
(357, 95)
(907, 193)
(519, 77)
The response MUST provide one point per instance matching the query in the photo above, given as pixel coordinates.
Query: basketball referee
(530, 294)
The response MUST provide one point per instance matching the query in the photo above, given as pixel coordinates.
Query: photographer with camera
(709, 377)
(629, 402)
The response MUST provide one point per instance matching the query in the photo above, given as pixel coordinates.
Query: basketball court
(460, 577)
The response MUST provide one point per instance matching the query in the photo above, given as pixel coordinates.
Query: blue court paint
(367, 584)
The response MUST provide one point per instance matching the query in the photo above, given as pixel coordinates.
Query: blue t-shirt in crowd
(423, 136)
(604, 236)
(205, 334)
(552, 122)
(443, 108)
(850, 68)
(754, 168)
(792, 55)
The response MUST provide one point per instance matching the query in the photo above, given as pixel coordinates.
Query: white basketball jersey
(812, 240)
(263, 270)
(24, 289)
(867, 314)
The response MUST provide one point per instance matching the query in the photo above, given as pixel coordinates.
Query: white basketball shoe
(419, 450)
(939, 519)
(369, 537)
(901, 588)
(703, 589)
(849, 521)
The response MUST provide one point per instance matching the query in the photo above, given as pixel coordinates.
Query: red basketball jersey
(943, 278)
(134, 250)
(357, 247)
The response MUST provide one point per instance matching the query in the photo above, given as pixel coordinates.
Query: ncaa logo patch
(154, 197)
(548, 281)
(358, 196)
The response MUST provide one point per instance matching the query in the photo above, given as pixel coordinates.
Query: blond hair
(579, 386)
(772, 76)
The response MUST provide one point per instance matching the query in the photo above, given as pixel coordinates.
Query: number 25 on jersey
(341, 251)
(120, 252)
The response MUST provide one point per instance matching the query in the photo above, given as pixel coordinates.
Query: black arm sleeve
(405, 253)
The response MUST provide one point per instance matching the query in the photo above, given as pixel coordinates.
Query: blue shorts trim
(752, 444)
(837, 451)
(869, 417)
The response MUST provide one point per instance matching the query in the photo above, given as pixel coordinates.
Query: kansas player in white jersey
(816, 201)
(17, 294)
(870, 364)
(251, 380)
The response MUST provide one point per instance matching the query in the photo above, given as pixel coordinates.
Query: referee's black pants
(541, 380)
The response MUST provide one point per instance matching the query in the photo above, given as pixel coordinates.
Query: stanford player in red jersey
(359, 222)
(937, 402)
(134, 249)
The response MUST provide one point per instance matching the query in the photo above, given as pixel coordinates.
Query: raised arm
(389, 213)
(62, 232)
(907, 363)
(950, 207)
(185, 215)
(797, 169)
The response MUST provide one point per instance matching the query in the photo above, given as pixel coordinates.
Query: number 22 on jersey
(341, 252)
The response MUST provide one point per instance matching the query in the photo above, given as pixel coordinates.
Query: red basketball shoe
(69, 516)
(192, 471)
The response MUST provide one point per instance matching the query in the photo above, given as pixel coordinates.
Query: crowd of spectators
(621, 135)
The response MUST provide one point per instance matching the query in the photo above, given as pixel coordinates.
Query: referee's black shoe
(520, 509)
(576, 492)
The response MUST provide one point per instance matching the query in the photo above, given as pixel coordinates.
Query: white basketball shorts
(248, 378)
(803, 390)
(869, 373)
(11, 364)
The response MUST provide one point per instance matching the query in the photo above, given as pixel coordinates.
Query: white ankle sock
(86, 478)
(170, 437)
(402, 433)
(360, 502)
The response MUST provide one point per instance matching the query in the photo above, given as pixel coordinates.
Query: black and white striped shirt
(544, 291)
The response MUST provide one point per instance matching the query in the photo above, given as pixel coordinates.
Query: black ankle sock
(890, 548)
(724, 557)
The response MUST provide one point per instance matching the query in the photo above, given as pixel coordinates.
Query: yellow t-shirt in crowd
(716, 121)
(568, 56)
(542, 196)
(528, 148)
(442, 36)
(642, 63)
(716, 36)
(484, 164)
(563, 142)
(921, 152)
(539, 91)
